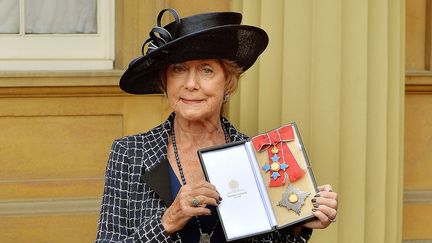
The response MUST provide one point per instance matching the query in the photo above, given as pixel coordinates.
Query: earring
(226, 98)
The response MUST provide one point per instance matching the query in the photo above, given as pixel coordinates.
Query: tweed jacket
(137, 190)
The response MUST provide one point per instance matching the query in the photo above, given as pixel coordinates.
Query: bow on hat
(160, 36)
(281, 161)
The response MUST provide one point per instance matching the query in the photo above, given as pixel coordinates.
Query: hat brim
(239, 43)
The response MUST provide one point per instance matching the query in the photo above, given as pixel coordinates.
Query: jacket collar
(157, 175)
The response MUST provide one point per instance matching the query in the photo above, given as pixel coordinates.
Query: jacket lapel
(155, 170)
(159, 180)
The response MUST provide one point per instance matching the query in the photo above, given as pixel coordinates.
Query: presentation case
(266, 183)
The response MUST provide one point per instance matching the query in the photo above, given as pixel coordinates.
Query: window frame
(31, 52)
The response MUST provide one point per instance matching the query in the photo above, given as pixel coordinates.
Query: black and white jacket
(137, 190)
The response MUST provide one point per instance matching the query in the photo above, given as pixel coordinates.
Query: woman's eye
(207, 70)
(177, 68)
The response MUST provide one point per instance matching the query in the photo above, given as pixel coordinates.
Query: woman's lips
(191, 101)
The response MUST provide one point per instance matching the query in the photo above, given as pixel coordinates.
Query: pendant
(204, 238)
(293, 198)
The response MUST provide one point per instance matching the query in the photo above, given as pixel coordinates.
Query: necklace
(204, 237)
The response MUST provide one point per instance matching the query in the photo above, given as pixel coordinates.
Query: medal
(293, 198)
(275, 165)
(204, 238)
(281, 165)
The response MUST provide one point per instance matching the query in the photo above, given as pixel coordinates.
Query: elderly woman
(155, 189)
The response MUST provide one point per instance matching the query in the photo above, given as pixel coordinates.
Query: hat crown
(200, 22)
(160, 36)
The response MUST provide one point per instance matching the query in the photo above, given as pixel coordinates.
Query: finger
(186, 207)
(317, 223)
(196, 211)
(323, 220)
(211, 187)
(329, 202)
(205, 184)
(327, 194)
(204, 201)
(198, 188)
(326, 188)
(206, 192)
(329, 212)
(314, 224)
(188, 194)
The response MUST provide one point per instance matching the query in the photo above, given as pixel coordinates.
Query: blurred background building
(355, 76)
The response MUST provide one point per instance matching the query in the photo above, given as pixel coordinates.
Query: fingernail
(313, 200)
(220, 199)
(330, 190)
(316, 205)
(317, 195)
(314, 209)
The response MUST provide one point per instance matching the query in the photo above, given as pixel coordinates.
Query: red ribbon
(279, 138)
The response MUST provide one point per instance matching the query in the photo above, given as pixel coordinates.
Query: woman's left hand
(325, 208)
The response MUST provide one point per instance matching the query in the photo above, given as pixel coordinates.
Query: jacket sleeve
(113, 221)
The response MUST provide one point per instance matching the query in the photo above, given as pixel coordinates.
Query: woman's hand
(183, 208)
(325, 208)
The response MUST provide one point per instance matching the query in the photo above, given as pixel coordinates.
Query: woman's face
(195, 89)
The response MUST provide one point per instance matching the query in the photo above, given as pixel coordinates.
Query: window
(56, 34)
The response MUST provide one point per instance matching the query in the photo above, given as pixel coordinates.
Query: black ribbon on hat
(159, 36)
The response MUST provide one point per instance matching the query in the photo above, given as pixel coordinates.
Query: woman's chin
(195, 115)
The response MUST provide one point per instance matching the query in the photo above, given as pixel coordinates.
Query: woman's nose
(192, 82)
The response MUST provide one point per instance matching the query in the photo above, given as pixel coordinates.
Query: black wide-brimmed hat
(216, 35)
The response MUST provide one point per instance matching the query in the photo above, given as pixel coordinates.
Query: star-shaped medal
(293, 198)
(275, 166)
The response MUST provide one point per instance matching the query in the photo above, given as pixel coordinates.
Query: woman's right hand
(182, 209)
